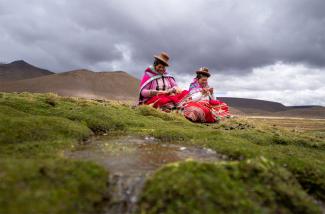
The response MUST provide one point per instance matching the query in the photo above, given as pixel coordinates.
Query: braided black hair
(200, 75)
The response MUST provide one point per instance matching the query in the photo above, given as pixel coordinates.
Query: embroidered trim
(154, 78)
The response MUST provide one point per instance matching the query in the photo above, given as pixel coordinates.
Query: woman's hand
(205, 91)
(178, 90)
(211, 90)
(162, 92)
(171, 90)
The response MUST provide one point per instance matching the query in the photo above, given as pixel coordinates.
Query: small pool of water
(130, 159)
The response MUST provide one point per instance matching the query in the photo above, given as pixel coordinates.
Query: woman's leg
(199, 112)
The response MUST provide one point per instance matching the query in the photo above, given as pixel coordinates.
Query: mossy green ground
(251, 186)
(35, 130)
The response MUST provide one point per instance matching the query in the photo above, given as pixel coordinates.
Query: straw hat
(204, 71)
(163, 56)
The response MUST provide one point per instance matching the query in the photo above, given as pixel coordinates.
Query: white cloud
(290, 84)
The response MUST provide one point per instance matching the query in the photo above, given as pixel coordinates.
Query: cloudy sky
(266, 49)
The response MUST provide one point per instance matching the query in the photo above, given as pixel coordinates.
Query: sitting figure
(158, 88)
(202, 105)
(199, 88)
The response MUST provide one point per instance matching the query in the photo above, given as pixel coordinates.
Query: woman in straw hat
(203, 107)
(158, 88)
(199, 88)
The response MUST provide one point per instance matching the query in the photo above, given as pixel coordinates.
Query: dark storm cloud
(224, 35)
(268, 49)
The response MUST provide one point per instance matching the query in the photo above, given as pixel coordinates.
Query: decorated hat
(163, 57)
(204, 71)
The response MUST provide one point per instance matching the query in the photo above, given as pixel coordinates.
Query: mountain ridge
(119, 85)
(20, 69)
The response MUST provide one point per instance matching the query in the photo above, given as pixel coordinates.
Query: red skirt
(168, 101)
(206, 111)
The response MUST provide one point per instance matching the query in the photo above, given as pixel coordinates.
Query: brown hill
(249, 105)
(80, 83)
(255, 107)
(19, 70)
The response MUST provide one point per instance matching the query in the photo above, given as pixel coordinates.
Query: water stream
(130, 160)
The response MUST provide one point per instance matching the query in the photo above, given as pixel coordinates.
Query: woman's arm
(173, 83)
(174, 87)
(149, 92)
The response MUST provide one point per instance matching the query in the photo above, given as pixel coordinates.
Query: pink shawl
(150, 75)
